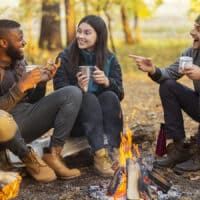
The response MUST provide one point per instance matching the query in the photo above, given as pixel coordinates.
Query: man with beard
(22, 94)
(176, 97)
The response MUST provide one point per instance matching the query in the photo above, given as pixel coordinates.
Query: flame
(136, 149)
(121, 190)
(11, 189)
(126, 150)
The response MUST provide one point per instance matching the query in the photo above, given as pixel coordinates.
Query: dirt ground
(143, 113)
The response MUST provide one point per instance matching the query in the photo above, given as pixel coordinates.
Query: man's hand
(49, 71)
(29, 79)
(192, 72)
(144, 64)
(54, 67)
(82, 81)
(46, 75)
(100, 77)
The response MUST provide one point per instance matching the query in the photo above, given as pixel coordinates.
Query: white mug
(185, 61)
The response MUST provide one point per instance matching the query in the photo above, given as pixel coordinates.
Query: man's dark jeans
(99, 115)
(176, 97)
(58, 110)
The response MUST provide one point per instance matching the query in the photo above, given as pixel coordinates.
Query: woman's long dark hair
(101, 50)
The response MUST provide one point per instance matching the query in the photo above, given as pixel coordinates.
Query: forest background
(155, 28)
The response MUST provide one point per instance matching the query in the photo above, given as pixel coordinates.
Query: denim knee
(167, 86)
(69, 93)
(109, 98)
(89, 96)
(90, 100)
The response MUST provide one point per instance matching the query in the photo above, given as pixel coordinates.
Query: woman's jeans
(99, 115)
(176, 97)
(58, 110)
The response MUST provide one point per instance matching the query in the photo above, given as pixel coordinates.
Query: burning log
(125, 183)
(9, 185)
(116, 181)
(133, 178)
(138, 181)
(159, 180)
(155, 177)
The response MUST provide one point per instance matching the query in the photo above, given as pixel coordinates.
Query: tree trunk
(138, 37)
(135, 21)
(98, 9)
(85, 5)
(50, 35)
(127, 30)
(105, 9)
(110, 31)
(70, 20)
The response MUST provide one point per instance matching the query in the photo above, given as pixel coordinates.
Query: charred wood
(116, 181)
(159, 180)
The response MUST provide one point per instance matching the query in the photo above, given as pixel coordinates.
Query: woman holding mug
(100, 113)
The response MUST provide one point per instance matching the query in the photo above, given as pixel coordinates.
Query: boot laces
(35, 160)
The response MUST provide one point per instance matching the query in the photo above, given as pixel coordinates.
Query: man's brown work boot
(180, 153)
(191, 165)
(103, 163)
(37, 168)
(53, 158)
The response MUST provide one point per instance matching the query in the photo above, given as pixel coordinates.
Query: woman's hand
(100, 77)
(82, 81)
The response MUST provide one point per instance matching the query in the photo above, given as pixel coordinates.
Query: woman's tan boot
(37, 168)
(53, 158)
(103, 163)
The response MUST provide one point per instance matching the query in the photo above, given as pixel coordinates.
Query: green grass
(163, 52)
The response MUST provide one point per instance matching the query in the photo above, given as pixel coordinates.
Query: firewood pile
(9, 185)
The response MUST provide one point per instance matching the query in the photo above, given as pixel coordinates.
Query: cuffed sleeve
(156, 76)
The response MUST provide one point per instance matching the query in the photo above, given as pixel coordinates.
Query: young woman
(100, 113)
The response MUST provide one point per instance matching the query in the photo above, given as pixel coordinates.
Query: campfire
(119, 187)
(9, 185)
(133, 179)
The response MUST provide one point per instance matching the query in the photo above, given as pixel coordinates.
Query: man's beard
(14, 54)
